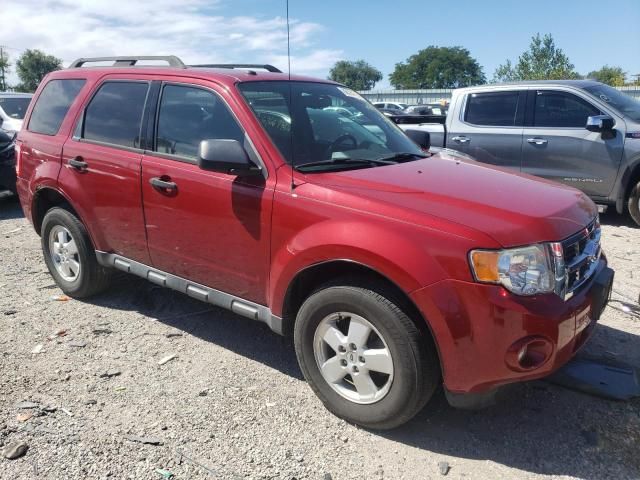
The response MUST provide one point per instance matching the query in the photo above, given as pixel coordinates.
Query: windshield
(622, 103)
(325, 123)
(15, 107)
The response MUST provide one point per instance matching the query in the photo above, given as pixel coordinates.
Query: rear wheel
(70, 256)
(364, 357)
(634, 203)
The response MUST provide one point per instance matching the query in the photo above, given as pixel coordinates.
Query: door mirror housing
(422, 138)
(600, 123)
(226, 156)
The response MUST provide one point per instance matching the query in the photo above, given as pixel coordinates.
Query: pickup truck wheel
(634, 203)
(364, 357)
(70, 256)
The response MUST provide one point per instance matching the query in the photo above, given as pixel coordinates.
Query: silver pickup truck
(577, 132)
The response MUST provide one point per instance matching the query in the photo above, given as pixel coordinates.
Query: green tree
(358, 75)
(543, 61)
(613, 76)
(438, 67)
(32, 66)
(4, 69)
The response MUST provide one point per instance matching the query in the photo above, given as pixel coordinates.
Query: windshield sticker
(349, 93)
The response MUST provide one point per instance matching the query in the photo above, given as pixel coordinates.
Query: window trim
(80, 123)
(248, 144)
(27, 128)
(520, 107)
(533, 96)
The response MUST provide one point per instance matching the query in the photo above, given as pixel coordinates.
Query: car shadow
(535, 427)
(614, 219)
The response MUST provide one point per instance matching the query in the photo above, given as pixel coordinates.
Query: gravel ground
(232, 402)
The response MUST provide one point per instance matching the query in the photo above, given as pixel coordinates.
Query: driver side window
(188, 115)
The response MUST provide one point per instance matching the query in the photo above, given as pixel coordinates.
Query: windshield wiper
(348, 161)
(399, 157)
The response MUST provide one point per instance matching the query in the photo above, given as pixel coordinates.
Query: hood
(512, 208)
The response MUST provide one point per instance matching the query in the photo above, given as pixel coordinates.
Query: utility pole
(3, 81)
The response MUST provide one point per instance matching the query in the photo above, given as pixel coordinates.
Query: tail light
(18, 153)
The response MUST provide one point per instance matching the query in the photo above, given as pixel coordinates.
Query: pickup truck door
(557, 145)
(208, 227)
(488, 126)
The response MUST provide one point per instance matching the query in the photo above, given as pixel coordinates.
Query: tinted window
(557, 109)
(115, 113)
(53, 104)
(189, 115)
(495, 109)
(14, 107)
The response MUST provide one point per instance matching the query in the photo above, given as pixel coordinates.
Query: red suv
(294, 202)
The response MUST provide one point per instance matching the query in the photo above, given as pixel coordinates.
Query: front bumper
(476, 327)
(8, 175)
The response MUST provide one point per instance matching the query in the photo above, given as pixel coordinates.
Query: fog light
(528, 353)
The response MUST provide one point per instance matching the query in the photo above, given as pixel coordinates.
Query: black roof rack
(172, 60)
(267, 67)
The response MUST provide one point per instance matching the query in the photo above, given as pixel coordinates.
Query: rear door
(557, 145)
(489, 127)
(101, 166)
(211, 228)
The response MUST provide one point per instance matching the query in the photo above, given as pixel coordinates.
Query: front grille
(581, 253)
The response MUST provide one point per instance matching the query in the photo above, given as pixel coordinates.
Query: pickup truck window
(497, 109)
(623, 104)
(189, 115)
(114, 115)
(53, 104)
(324, 122)
(560, 109)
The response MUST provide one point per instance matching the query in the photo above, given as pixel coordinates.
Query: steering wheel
(339, 142)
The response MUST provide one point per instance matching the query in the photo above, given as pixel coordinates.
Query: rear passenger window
(492, 109)
(558, 109)
(189, 115)
(114, 115)
(53, 104)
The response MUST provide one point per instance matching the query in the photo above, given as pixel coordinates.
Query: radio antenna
(293, 185)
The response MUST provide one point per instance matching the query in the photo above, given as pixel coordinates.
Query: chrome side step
(215, 297)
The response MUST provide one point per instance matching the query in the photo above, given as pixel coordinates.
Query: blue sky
(382, 32)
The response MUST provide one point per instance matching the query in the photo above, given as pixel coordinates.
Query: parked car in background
(428, 109)
(396, 270)
(577, 132)
(7, 161)
(13, 107)
(390, 105)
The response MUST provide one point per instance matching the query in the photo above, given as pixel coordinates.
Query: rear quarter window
(53, 104)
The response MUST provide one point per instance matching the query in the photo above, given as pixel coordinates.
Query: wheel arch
(310, 278)
(630, 178)
(46, 198)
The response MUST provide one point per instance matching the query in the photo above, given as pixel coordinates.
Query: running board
(215, 297)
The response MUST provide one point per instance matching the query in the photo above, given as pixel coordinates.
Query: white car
(391, 105)
(13, 107)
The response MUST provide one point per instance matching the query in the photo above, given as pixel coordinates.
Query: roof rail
(267, 67)
(172, 60)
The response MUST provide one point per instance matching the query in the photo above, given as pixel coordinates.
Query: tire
(633, 203)
(89, 277)
(415, 367)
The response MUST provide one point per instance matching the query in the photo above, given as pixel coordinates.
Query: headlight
(523, 271)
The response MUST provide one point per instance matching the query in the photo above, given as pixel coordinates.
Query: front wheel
(364, 357)
(70, 256)
(634, 203)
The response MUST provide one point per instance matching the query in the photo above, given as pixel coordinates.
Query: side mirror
(226, 156)
(422, 138)
(599, 123)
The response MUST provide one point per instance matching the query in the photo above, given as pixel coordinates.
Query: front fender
(395, 253)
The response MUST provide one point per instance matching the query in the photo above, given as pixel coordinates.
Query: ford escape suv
(294, 202)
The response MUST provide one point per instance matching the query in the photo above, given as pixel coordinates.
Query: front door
(208, 227)
(557, 145)
(490, 127)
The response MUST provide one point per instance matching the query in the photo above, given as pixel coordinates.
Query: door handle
(165, 186)
(460, 139)
(78, 164)
(537, 141)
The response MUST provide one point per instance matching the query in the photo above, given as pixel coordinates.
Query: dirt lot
(233, 404)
